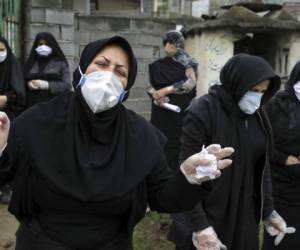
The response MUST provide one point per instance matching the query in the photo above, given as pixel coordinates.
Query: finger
(279, 238)
(224, 152)
(216, 174)
(200, 160)
(213, 148)
(222, 246)
(224, 163)
(290, 230)
(3, 119)
(201, 180)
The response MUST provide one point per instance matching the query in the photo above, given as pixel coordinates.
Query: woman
(84, 182)
(12, 93)
(173, 79)
(284, 114)
(46, 70)
(230, 115)
(12, 88)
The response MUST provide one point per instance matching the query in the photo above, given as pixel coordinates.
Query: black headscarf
(91, 157)
(242, 72)
(11, 77)
(293, 79)
(42, 60)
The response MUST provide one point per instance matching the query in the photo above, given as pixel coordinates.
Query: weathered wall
(212, 49)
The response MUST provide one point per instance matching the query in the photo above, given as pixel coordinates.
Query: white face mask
(101, 90)
(297, 90)
(3, 55)
(43, 50)
(250, 102)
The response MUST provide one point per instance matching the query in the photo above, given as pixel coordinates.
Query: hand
(161, 101)
(275, 225)
(41, 84)
(215, 153)
(207, 239)
(32, 85)
(4, 129)
(292, 160)
(3, 101)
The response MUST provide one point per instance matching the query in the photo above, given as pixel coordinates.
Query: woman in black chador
(284, 114)
(173, 80)
(230, 114)
(12, 87)
(46, 70)
(85, 167)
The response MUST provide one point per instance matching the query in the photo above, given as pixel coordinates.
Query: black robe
(242, 196)
(12, 83)
(165, 72)
(284, 114)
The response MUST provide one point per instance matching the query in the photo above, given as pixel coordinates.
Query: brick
(133, 38)
(151, 39)
(67, 48)
(37, 15)
(143, 52)
(141, 25)
(118, 24)
(46, 3)
(82, 37)
(67, 33)
(92, 24)
(59, 17)
(103, 34)
(33, 29)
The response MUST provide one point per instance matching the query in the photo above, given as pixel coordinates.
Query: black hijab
(11, 77)
(42, 60)
(239, 75)
(289, 91)
(91, 157)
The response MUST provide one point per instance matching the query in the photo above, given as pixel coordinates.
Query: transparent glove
(207, 239)
(276, 226)
(32, 85)
(41, 84)
(207, 164)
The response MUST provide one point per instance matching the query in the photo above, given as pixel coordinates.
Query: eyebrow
(118, 65)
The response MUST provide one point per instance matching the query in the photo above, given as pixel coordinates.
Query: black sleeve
(194, 136)
(268, 198)
(57, 87)
(170, 192)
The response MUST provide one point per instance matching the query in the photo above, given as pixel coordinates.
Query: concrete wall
(212, 50)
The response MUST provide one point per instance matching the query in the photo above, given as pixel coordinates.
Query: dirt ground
(8, 227)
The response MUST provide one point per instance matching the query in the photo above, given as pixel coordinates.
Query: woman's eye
(121, 73)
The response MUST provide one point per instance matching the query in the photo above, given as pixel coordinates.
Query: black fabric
(165, 72)
(12, 83)
(216, 118)
(91, 159)
(284, 114)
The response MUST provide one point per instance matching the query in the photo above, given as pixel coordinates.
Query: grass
(151, 232)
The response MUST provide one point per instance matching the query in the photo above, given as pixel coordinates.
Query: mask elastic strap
(82, 78)
(121, 98)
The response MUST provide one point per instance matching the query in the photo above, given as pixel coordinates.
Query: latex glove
(4, 130)
(207, 162)
(31, 84)
(41, 84)
(276, 226)
(207, 239)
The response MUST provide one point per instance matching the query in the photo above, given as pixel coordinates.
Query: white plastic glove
(41, 84)
(205, 166)
(207, 239)
(4, 131)
(275, 225)
(32, 85)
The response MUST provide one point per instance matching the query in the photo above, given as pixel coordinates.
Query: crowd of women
(83, 168)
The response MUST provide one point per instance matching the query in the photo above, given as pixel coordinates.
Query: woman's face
(2, 47)
(261, 87)
(170, 49)
(42, 42)
(114, 59)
